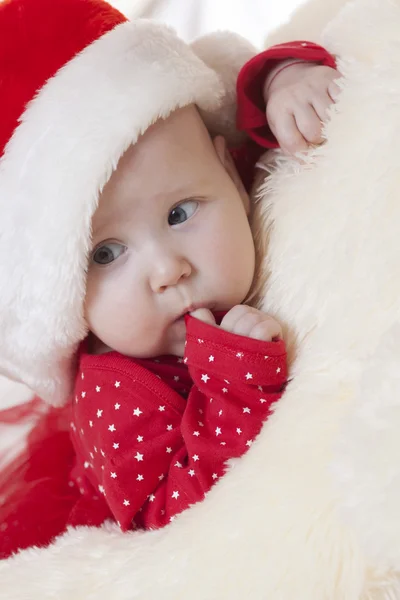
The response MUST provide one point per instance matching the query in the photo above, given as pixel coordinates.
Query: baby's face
(170, 235)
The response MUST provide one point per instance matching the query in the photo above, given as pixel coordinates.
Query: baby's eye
(107, 253)
(182, 212)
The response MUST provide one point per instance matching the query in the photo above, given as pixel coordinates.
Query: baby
(144, 251)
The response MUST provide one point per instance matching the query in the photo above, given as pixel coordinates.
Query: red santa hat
(79, 84)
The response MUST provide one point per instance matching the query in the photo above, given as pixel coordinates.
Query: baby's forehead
(173, 154)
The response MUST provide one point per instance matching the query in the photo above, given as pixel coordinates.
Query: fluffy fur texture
(333, 264)
(366, 463)
(233, 53)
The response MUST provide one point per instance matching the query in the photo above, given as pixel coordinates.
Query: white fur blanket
(311, 512)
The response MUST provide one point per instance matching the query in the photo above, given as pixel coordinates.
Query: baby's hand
(297, 100)
(244, 320)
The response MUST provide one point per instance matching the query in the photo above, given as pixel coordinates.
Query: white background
(253, 19)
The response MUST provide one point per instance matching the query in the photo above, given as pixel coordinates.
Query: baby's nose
(168, 271)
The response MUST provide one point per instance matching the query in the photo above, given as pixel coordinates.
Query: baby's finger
(288, 135)
(321, 105)
(308, 123)
(266, 330)
(236, 313)
(334, 90)
(246, 323)
(205, 315)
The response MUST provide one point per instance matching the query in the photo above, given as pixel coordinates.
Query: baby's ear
(228, 163)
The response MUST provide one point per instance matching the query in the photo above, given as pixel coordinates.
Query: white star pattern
(266, 357)
(229, 414)
(82, 375)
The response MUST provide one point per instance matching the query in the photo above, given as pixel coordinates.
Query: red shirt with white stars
(152, 436)
(150, 451)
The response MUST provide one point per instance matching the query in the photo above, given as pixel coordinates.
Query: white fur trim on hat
(226, 53)
(69, 141)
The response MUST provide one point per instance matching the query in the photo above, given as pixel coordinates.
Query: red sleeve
(235, 382)
(251, 115)
(150, 452)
